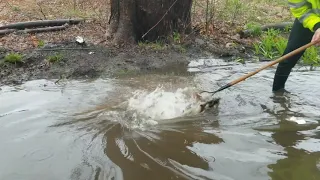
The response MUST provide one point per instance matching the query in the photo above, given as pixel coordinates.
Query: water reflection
(299, 163)
(149, 154)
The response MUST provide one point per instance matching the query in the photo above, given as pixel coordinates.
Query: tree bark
(140, 20)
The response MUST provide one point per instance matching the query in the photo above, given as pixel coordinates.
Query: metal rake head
(209, 104)
(206, 103)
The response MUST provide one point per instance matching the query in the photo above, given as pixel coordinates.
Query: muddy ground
(81, 61)
(101, 59)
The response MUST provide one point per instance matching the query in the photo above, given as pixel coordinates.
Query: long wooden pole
(242, 78)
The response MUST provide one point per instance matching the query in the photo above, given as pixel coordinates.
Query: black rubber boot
(281, 76)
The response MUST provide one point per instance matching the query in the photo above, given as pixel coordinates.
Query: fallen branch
(46, 29)
(70, 49)
(7, 31)
(277, 26)
(33, 24)
(38, 3)
(37, 30)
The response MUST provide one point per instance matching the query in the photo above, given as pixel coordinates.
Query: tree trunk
(139, 20)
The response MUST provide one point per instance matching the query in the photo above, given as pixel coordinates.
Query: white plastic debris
(91, 52)
(80, 39)
(298, 121)
(199, 62)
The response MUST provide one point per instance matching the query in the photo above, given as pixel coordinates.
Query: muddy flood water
(135, 127)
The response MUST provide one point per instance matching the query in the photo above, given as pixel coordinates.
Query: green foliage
(176, 37)
(181, 49)
(157, 45)
(255, 28)
(240, 60)
(234, 8)
(311, 57)
(280, 45)
(15, 8)
(287, 28)
(272, 45)
(55, 58)
(13, 58)
(41, 43)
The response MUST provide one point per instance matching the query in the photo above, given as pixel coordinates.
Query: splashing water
(160, 104)
(147, 108)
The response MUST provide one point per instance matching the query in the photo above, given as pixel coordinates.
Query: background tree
(134, 20)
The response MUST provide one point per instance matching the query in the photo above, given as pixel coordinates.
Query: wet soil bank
(72, 60)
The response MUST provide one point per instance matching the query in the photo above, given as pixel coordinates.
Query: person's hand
(316, 37)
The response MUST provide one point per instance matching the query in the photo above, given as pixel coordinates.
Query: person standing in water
(306, 28)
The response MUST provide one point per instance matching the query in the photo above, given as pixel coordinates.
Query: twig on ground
(207, 14)
(41, 10)
(74, 5)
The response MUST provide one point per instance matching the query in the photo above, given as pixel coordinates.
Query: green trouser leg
(299, 36)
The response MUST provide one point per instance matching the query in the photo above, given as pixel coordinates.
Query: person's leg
(299, 36)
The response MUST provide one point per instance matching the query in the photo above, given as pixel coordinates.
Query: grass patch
(255, 28)
(41, 43)
(55, 58)
(311, 57)
(176, 37)
(237, 14)
(157, 45)
(181, 48)
(13, 58)
(272, 45)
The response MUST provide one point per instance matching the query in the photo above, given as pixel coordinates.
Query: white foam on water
(310, 145)
(150, 107)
